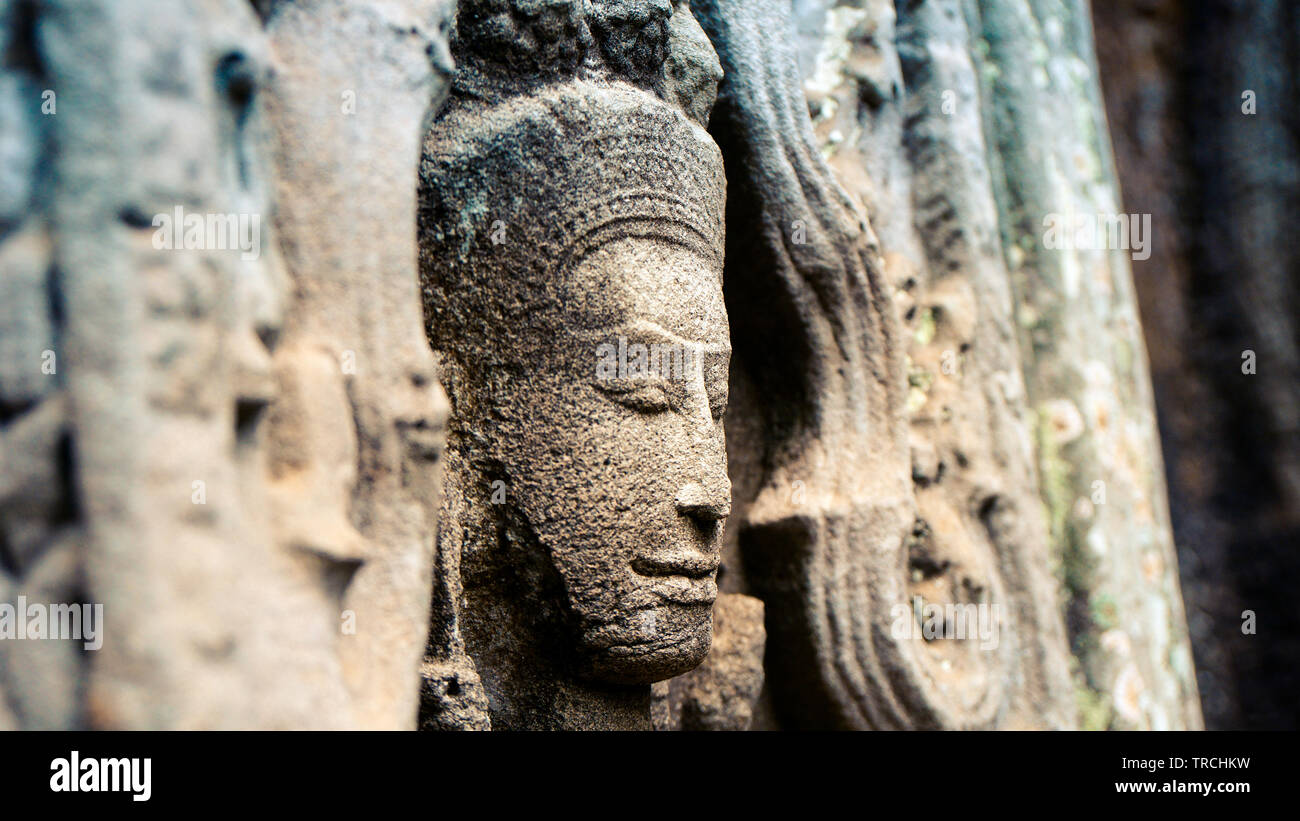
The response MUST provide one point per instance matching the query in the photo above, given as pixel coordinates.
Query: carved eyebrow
(643, 330)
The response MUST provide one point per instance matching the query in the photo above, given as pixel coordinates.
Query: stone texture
(852, 515)
(236, 453)
(1205, 143)
(1026, 375)
(720, 694)
(355, 441)
(561, 221)
(1079, 328)
(239, 451)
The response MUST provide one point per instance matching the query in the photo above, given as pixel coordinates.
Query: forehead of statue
(638, 279)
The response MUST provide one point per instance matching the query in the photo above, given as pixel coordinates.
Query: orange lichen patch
(1117, 642)
(1098, 408)
(1064, 419)
(1083, 508)
(1128, 694)
(1153, 566)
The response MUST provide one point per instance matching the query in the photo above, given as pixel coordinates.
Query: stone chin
(636, 659)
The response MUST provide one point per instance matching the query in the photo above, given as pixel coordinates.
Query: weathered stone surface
(721, 693)
(235, 441)
(37, 517)
(900, 93)
(355, 442)
(1084, 356)
(562, 224)
(692, 71)
(837, 537)
(247, 468)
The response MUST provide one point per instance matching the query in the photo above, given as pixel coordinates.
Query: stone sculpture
(235, 450)
(563, 225)
(235, 441)
(355, 437)
(840, 528)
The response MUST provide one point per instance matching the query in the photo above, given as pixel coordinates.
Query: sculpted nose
(703, 504)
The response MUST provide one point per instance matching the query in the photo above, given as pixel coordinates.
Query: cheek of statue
(627, 491)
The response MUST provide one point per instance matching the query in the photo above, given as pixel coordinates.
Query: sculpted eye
(643, 397)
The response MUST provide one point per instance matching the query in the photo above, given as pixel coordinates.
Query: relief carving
(236, 448)
(556, 378)
(564, 223)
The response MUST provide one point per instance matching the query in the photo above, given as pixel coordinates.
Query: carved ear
(692, 70)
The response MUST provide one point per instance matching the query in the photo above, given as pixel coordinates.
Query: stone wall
(726, 324)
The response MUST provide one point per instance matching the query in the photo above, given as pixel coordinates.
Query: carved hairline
(649, 214)
(471, 139)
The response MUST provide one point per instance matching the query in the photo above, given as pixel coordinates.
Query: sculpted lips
(423, 437)
(681, 576)
(676, 576)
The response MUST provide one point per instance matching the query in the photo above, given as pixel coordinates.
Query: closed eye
(645, 397)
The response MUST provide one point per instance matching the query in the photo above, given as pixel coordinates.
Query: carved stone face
(572, 258)
(619, 465)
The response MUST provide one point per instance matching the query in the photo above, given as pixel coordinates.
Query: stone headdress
(514, 191)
